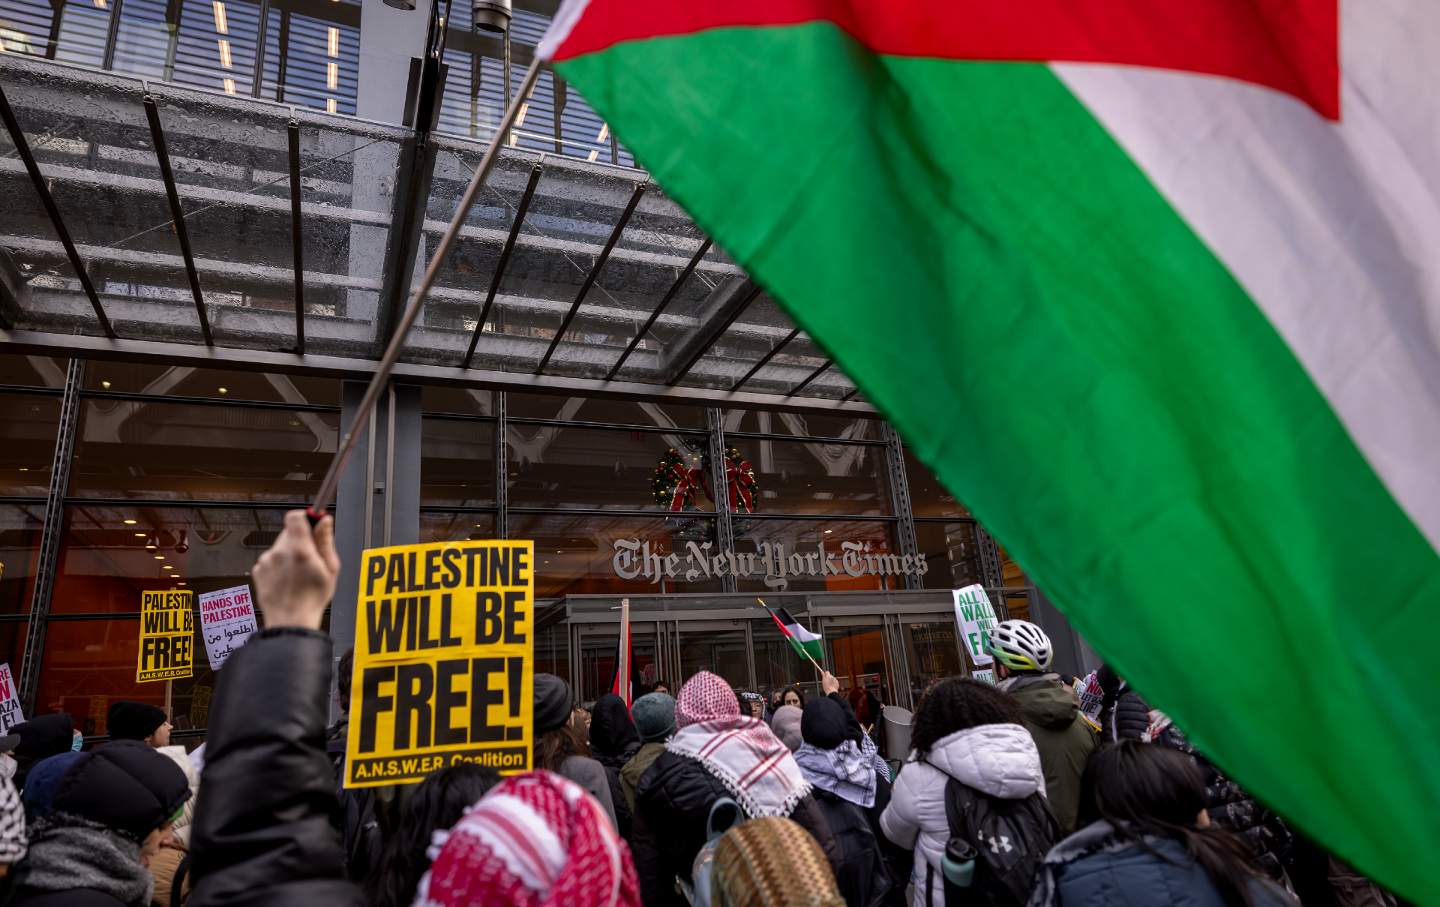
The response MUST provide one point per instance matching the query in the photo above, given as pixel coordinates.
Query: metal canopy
(124, 199)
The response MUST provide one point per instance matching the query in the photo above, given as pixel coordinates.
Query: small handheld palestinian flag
(805, 643)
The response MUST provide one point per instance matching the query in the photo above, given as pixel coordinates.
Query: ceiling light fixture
(129, 522)
(105, 384)
(159, 557)
(490, 15)
(223, 390)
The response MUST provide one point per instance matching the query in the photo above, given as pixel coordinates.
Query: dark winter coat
(1232, 808)
(614, 741)
(861, 872)
(672, 809)
(1064, 739)
(262, 832)
(1127, 719)
(87, 850)
(40, 738)
(1136, 877)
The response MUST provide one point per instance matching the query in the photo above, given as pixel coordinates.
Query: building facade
(202, 255)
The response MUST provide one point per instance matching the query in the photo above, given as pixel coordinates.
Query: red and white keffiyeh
(743, 753)
(535, 840)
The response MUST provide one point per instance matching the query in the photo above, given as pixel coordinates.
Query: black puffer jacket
(263, 832)
(1127, 719)
(613, 740)
(672, 807)
(1231, 807)
(861, 872)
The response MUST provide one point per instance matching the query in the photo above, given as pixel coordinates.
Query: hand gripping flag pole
(326, 493)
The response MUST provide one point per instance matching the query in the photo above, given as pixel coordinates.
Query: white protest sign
(975, 615)
(10, 714)
(227, 618)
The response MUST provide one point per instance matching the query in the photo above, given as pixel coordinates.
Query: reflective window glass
(932, 652)
(857, 655)
(186, 452)
(12, 645)
(599, 409)
(456, 527)
(776, 662)
(1011, 572)
(817, 425)
(816, 476)
(30, 422)
(20, 526)
(577, 555)
(610, 469)
(816, 555)
(929, 498)
(465, 401)
(109, 555)
(33, 371)
(598, 645)
(952, 554)
(717, 647)
(457, 462)
(90, 664)
(186, 381)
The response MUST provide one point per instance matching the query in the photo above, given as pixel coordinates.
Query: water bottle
(958, 864)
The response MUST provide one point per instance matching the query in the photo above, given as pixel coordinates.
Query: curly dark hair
(958, 704)
(553, 747)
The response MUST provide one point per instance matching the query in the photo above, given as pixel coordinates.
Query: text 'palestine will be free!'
(443, 665)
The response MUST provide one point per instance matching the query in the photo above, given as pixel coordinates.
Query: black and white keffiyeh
(12, 822)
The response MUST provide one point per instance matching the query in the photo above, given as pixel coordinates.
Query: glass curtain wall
(301, 52)
(179, 480)
(180, 477)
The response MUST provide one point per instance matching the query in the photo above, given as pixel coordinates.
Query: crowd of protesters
(1038, 790)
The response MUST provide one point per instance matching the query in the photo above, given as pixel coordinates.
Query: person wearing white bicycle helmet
(1023, 654)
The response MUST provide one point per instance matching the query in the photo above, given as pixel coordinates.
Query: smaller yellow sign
(444, 661)
(167, 635)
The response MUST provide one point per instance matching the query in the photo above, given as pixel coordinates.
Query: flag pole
(326, 493)
(808, 657)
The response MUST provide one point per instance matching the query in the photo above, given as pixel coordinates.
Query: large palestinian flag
(1152, 286)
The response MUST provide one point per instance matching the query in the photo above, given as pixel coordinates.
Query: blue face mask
(76, 742)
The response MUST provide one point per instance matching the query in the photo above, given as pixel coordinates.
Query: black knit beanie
(128, 720)
(552, 703)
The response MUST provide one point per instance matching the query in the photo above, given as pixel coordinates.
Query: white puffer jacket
(996, 759)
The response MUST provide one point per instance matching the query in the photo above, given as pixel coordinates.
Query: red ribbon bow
(686, 482)
(740, 478)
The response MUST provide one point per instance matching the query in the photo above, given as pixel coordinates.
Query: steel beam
(500, 265)
(850, 396)
(297, 239)
(22, 147)
(14, 291)
(726, 303)
(52, 533)
(502, 467)
(177, 214)
(414, 173)
(724, 528)
(811, 377)
(900, 503)
(44, 343)
(765, 360)
(665, 301)
(593, 274)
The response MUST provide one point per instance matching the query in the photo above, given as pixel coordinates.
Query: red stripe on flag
(1291, 46)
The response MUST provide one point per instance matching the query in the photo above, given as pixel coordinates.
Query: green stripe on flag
(1072, 361)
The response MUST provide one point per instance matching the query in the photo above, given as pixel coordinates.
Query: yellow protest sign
(444, 670)
(167, 635)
